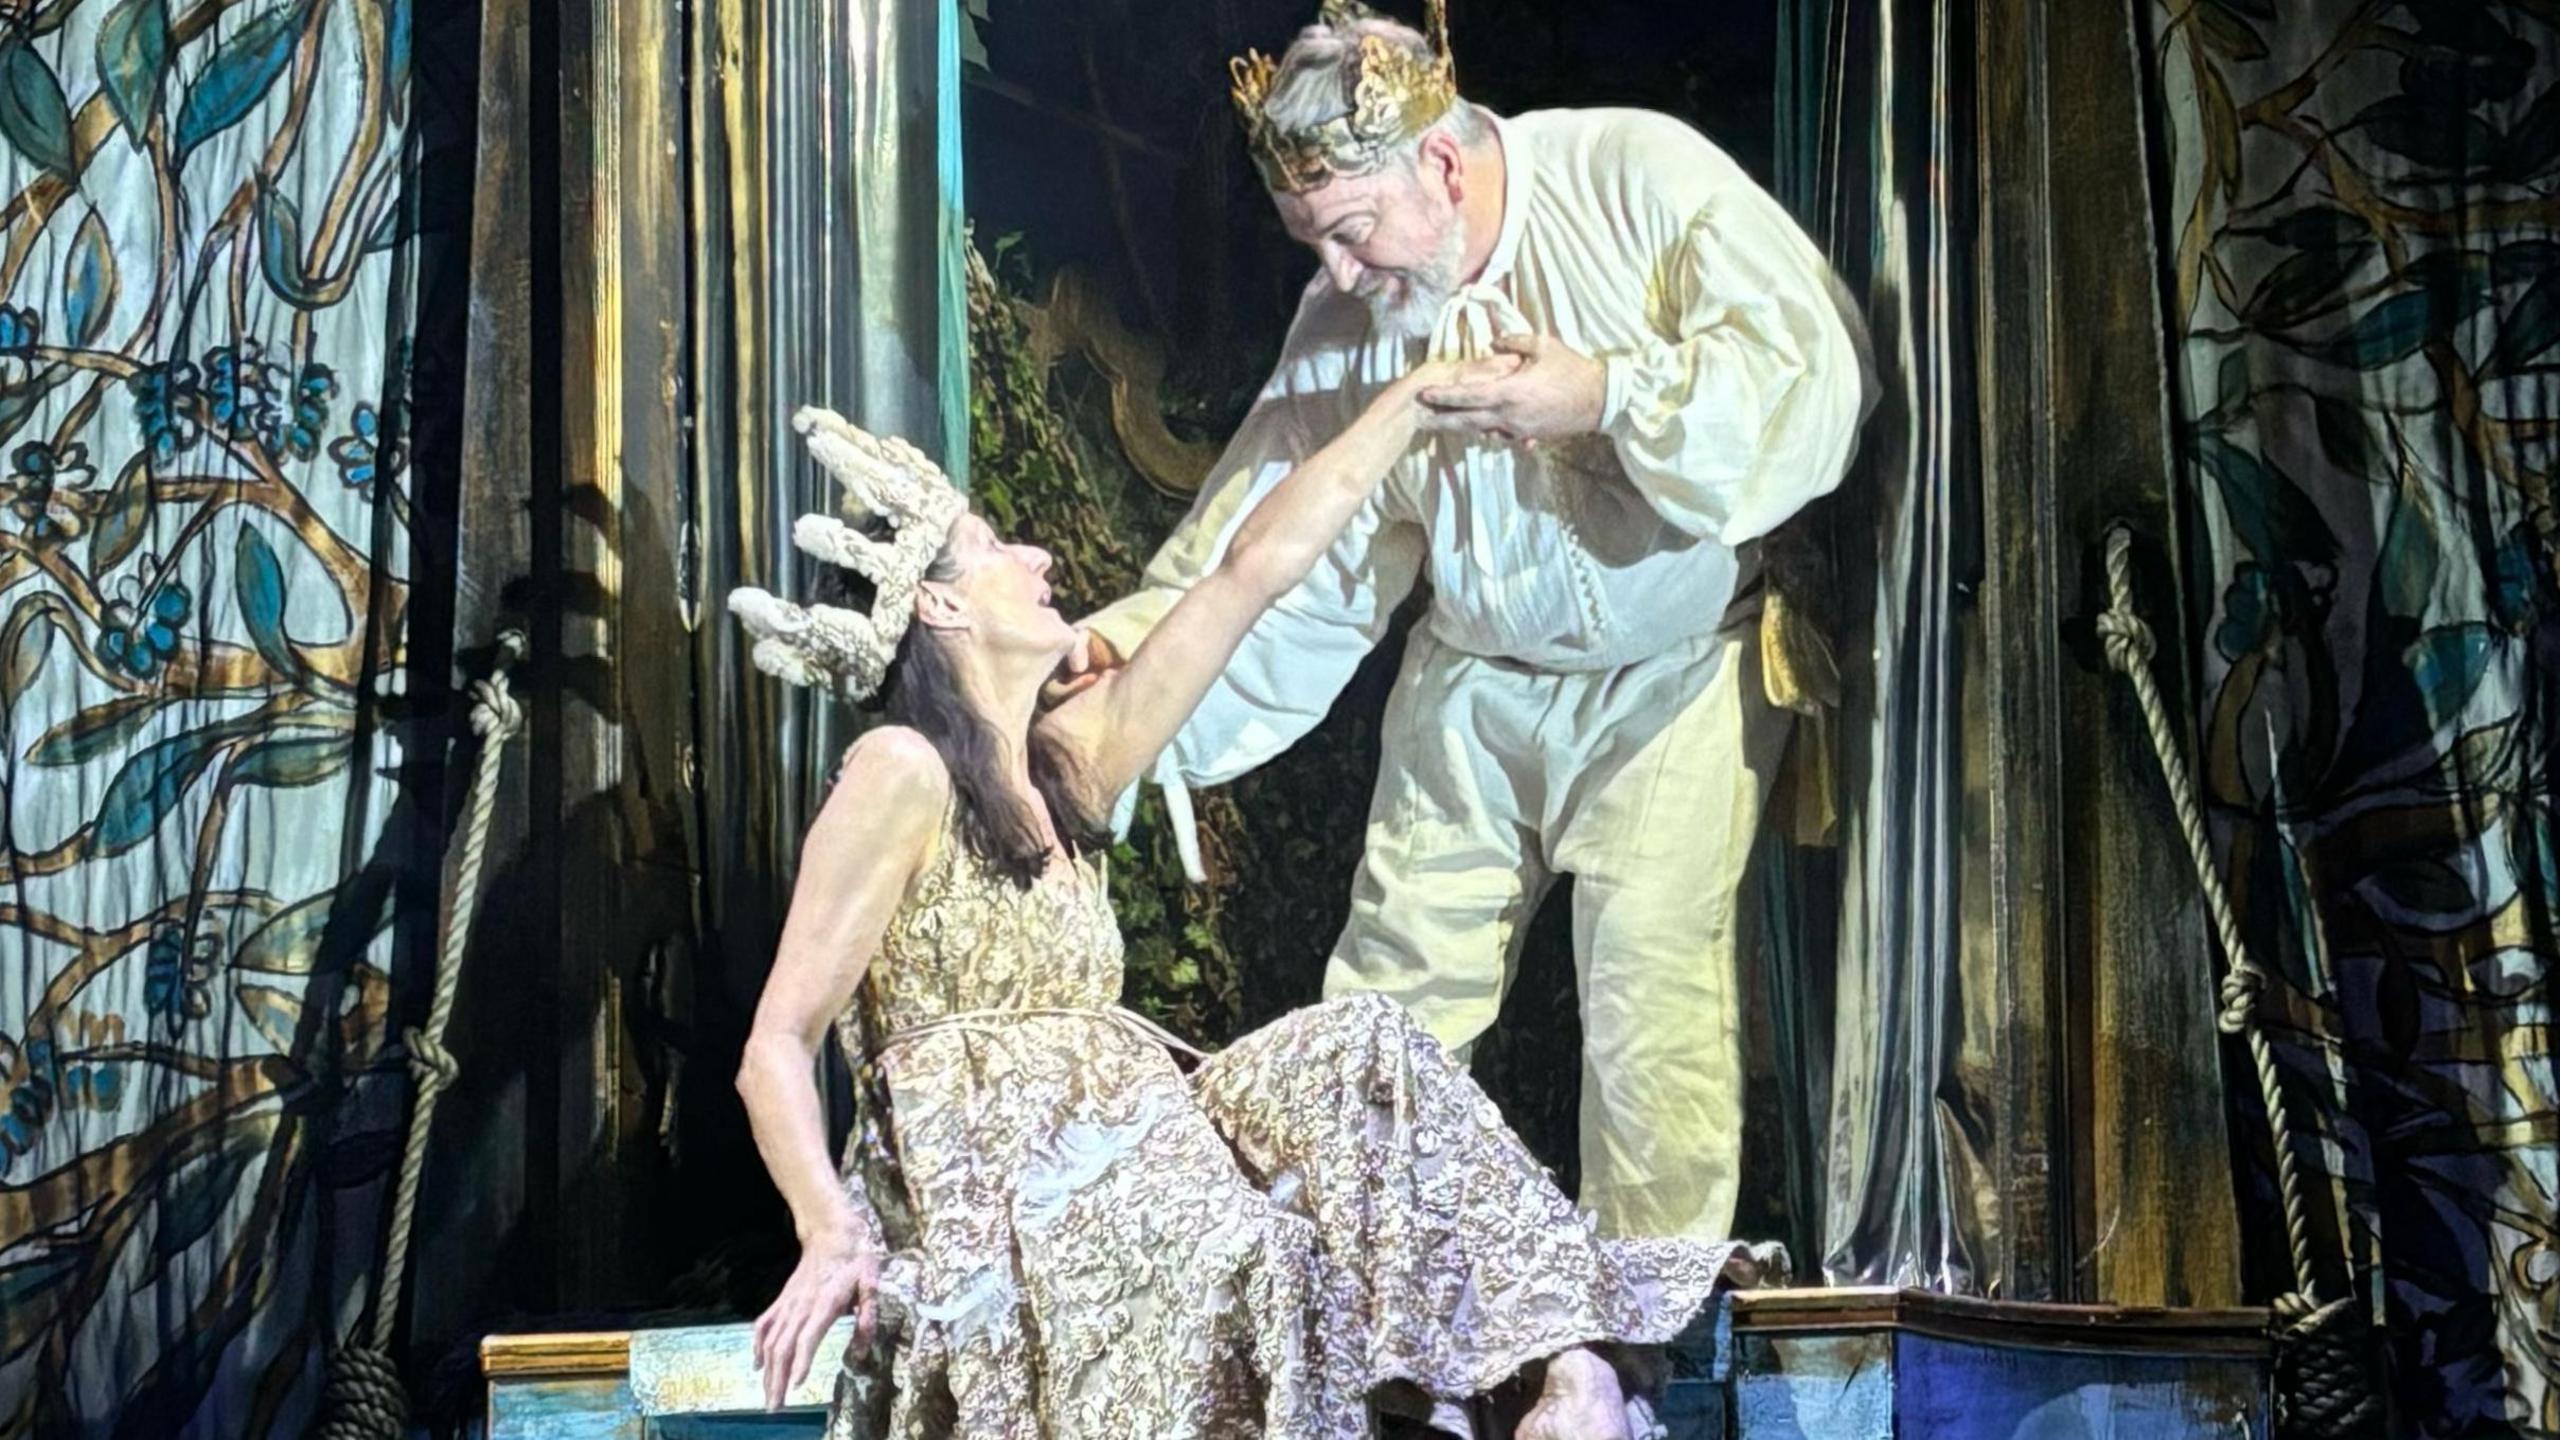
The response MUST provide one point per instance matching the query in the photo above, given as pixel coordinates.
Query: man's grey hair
(1313, 82)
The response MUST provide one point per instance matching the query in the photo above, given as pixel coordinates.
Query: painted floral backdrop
(2362, 206)
(203, 550)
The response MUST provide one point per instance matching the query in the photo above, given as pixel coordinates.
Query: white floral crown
(882, 476)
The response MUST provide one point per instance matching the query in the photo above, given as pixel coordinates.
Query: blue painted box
(1907, 1365)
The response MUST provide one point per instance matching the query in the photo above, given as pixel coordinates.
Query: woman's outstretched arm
(1110, 733)
(869, 842)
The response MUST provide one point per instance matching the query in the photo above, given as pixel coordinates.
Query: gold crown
(1395, 98)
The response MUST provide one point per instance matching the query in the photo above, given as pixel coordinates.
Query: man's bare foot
(1582, 1401)
(1754, 1265)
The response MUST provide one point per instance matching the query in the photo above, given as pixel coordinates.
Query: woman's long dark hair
(923, 693)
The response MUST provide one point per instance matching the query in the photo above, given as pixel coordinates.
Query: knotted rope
(2324, 1384)
(362, 1399)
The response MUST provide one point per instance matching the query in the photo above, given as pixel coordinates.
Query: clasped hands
(1535, 387)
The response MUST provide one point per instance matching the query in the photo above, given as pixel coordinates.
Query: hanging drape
(1872, 148)
(831, 274)
(2367, 291)
(205, 574)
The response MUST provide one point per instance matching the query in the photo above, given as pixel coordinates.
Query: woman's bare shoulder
(893, 787)
(898, 758)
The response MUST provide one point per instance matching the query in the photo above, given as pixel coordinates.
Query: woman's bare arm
(1112, 731)
(870, 840)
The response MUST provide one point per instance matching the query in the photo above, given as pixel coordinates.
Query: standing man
(1585, 697)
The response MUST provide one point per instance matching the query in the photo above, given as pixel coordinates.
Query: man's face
(1395, 239)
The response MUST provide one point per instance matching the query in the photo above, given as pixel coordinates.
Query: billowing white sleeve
(1299, 655)
(1746, 403)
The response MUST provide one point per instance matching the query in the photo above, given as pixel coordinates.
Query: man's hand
(1084, 667)
(1556, 392)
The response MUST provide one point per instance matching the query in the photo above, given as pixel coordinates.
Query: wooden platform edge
(563, 1355)
(2129, 1329)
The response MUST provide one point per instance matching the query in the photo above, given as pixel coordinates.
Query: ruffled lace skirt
(1326, 1214)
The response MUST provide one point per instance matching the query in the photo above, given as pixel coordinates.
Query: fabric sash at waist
(996, 1021)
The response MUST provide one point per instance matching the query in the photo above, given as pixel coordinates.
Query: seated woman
(1325, 1218)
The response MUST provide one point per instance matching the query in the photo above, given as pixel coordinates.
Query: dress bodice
(971, 939)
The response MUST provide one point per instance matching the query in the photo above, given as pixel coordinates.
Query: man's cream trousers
(1644, 783)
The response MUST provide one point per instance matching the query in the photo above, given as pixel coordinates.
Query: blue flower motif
(47, 490)
(311, 396)
(97, 1085)
(360, 454)
(30, 1101)
(242, 385)
(166, 399)
(30, 1105)
(178, 979)
(20, 332)
(140, 629)
(2515, 582)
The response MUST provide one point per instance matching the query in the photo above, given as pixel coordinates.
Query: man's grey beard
(1427, 287)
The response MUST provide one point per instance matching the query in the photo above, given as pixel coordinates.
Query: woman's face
(1001, 590)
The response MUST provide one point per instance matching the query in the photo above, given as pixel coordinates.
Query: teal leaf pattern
(2405, 572)
(27, 1299)
(2447, 665)
(90, 289)
(289, 944)
(123, 522)
(2528, 329)
(2276, 520)
(280, 252)
(260, 578)
(2415, 129)
(96, 731)
(150, 787)
(33, 114)
(133, 63)
(238, 76)
(302, 760)
(2316, 227)
(2392, 330)
(17, 406)
(26, 646)
(2310, 284)
(193, 1202)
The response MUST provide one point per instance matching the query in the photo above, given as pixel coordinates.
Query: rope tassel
(362, 1399)
(2324, 1382)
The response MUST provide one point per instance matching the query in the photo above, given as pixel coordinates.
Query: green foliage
(1280, 845)
(1037, 479)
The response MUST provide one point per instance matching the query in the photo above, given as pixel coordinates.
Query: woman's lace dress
(1104, 1247)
